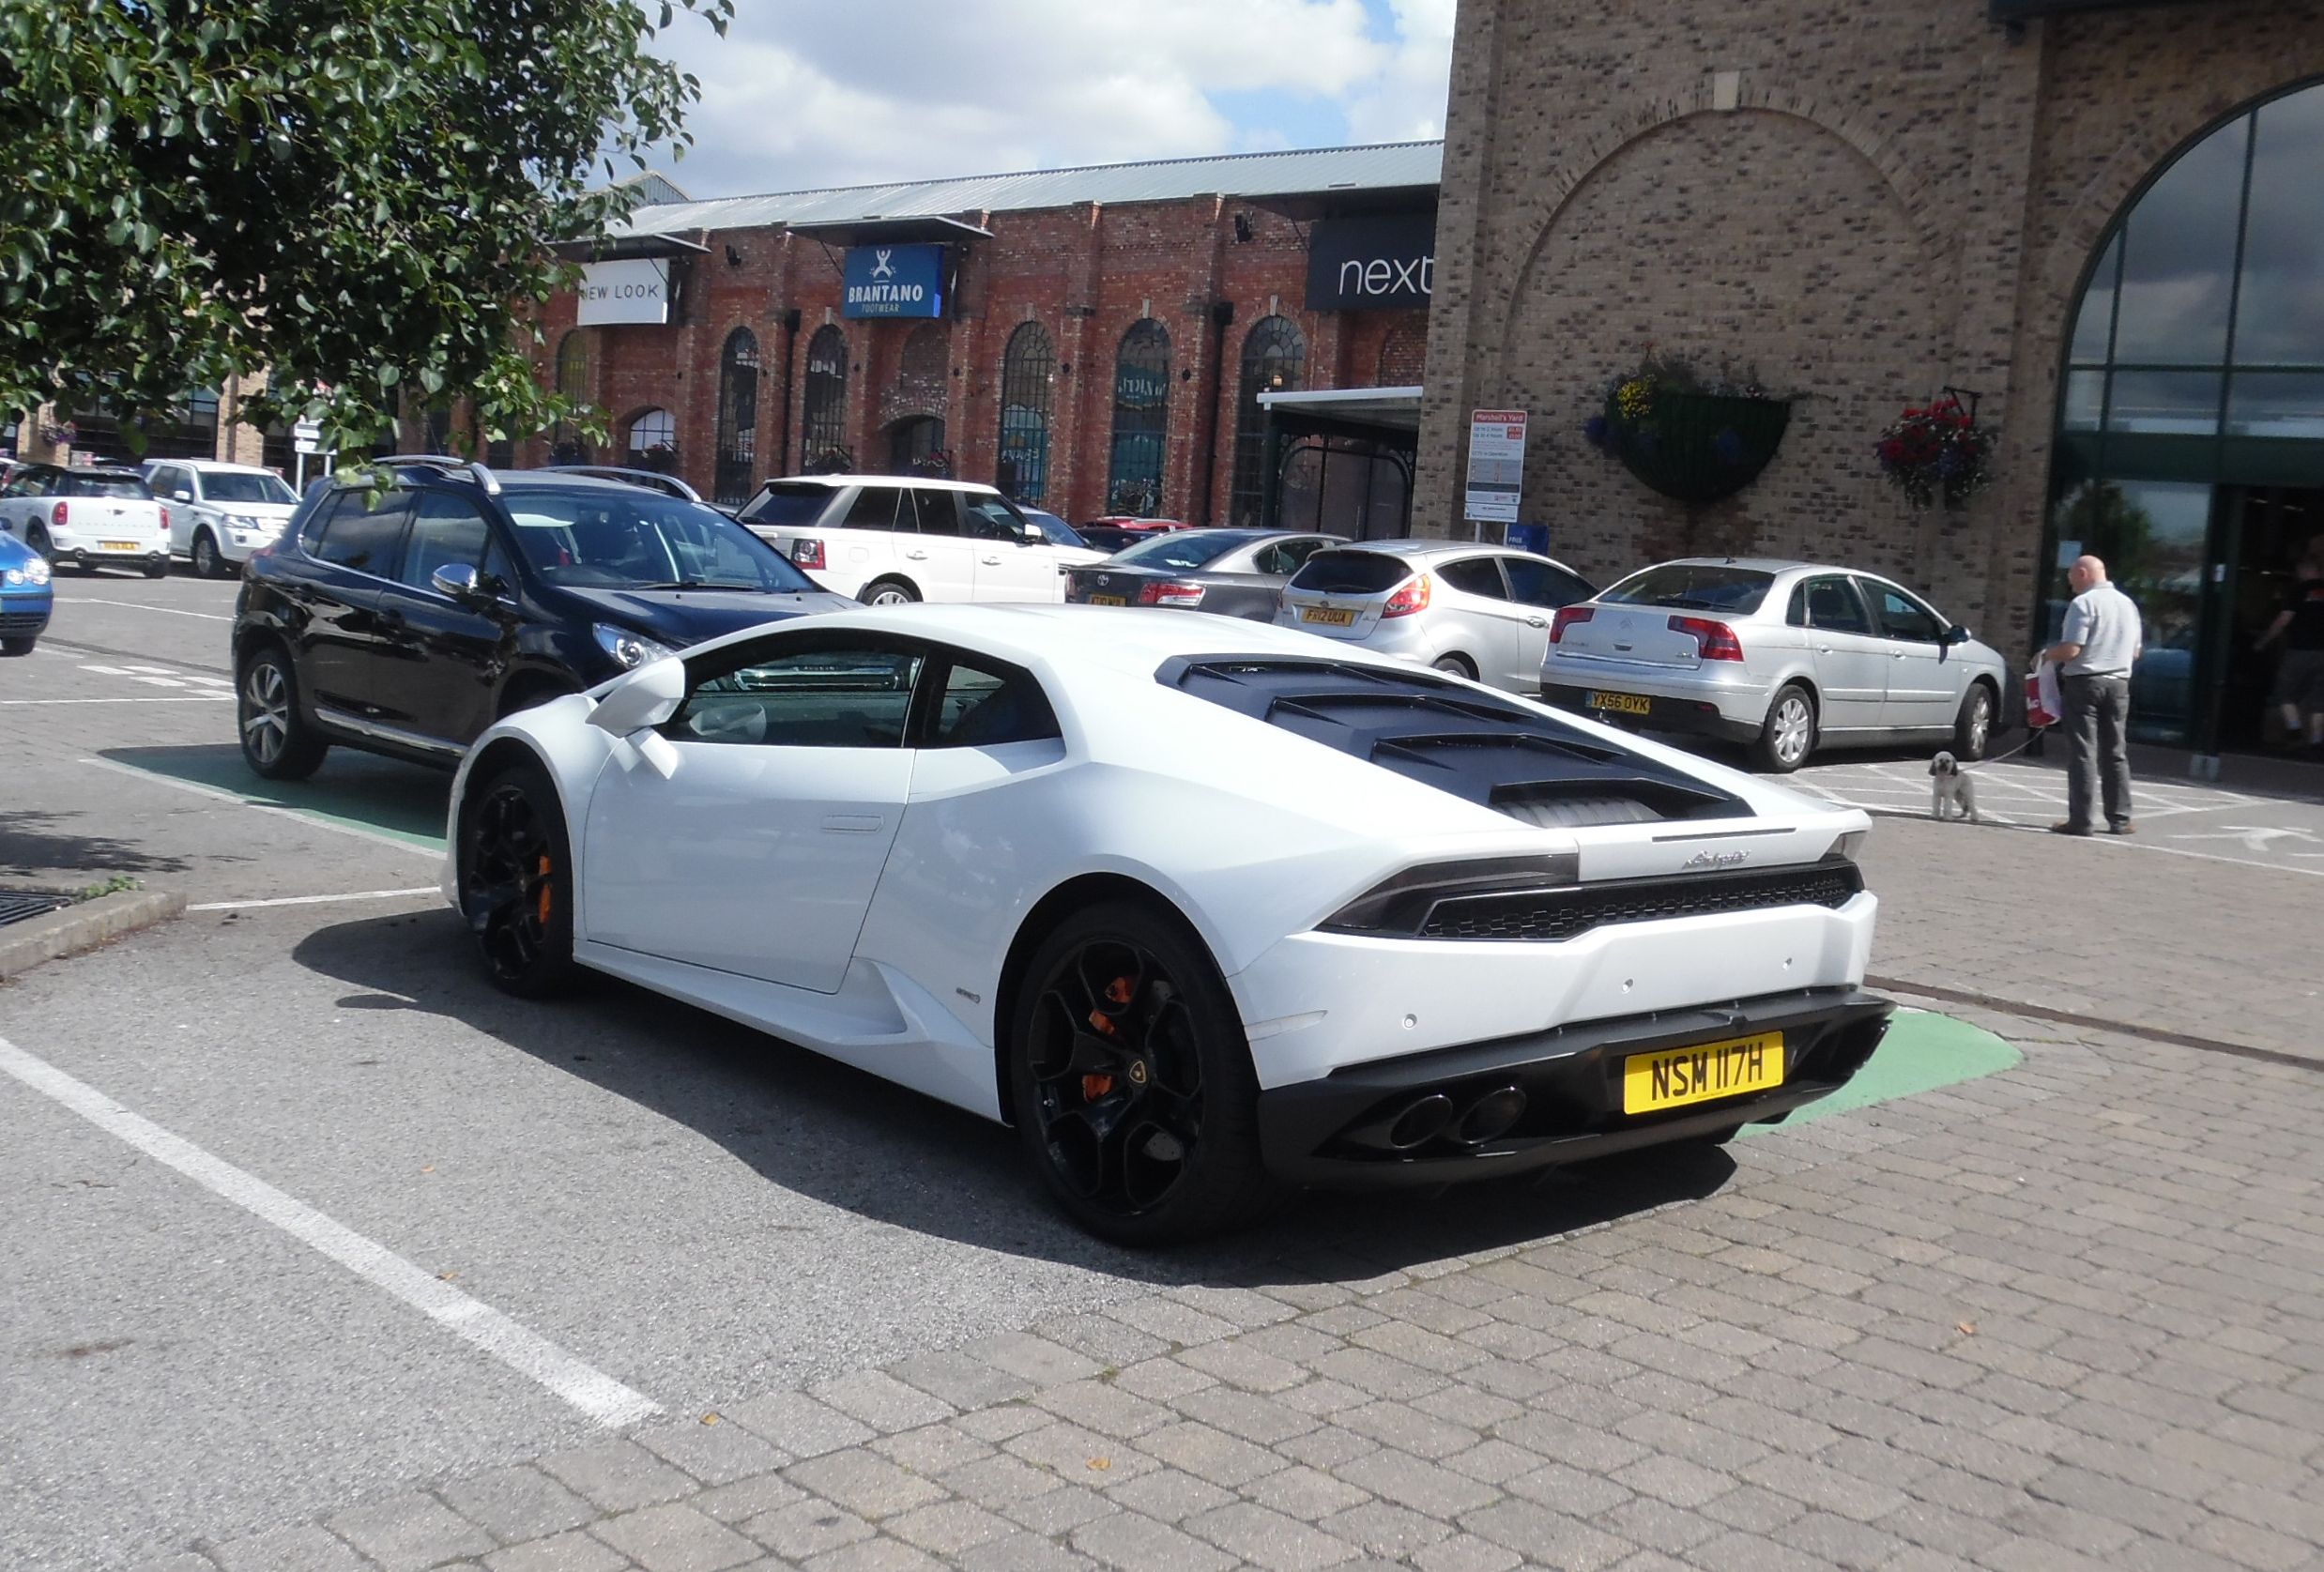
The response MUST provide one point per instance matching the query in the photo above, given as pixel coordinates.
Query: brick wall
(1858, 200)
(1087, 274)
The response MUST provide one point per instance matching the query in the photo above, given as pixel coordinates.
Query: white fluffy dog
(1953, 791)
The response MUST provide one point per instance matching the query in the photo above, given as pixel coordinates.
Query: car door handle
(917, 556)
(851, 824)
(1823, 648)
(1536, 623)
(989, 561)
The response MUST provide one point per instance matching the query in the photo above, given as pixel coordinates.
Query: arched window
(566, 443)
(1404, 357)
(2192, 398)
(1028, 371)
(653, 442)
(823, 430)
(1275, 360)
(738, 419)
(1142, 420)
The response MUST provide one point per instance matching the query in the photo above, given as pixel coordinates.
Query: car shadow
(851, 1141)
(32, 843)
(385, 794)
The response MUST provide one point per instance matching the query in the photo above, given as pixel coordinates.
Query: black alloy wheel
(1132, 1081)
(278, 742)
(517, 881)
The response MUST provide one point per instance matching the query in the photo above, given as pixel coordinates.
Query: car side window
(991, 519)
(165, 482)
(1832, 607)
(787, 695)
(446, 532)
(873, 508)
(985, 706)
(1544, 583)
(938, 513)
(1476, 575)
(1275, 558)
(1903, 617)
(363, 534)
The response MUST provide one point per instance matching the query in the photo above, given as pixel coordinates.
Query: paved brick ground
(2066, 1317)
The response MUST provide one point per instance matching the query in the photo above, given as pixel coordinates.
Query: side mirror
(1034, 534)
(457, 580)
(1957, 634)
(182, 494)
(644, 699)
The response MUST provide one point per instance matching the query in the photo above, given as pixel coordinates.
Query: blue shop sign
(895, 280)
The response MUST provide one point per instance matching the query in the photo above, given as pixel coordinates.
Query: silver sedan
(1786, 657)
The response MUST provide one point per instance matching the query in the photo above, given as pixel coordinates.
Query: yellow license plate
(1107, 601)
(1328, 618)
(1627, 704)
(116, 545)
(1677, 1077)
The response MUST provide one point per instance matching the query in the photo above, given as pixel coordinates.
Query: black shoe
(2122, 827)
(2068, 830)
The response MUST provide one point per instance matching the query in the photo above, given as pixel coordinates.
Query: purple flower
(1595, 431)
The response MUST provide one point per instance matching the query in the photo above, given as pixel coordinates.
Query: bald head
(2086, 574)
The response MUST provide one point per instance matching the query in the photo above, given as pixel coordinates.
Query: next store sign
(895, 280)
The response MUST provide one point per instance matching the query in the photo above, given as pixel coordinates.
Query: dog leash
(2033, 734)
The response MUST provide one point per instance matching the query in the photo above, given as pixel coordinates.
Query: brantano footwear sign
(895, 280)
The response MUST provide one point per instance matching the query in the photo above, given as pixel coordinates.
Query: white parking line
(316, 821)
(590, 1390)
(133, 606)
(312, 900)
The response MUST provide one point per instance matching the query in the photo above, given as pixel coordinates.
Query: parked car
(221, 512)
(1477, 611)
(1234, 573)
(1118, 531)
(888, 538)
(26, 598)
(1054, 529)
(1786, 657)
(1481, 937)
(87, 518)
(405, 617)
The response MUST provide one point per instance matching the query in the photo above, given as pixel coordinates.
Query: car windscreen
(103, 485)
(1183, 551)
(227, 485)
(1057, 531)
(625, 538)
(787, 506)
(1693, 586)
(1352, 572)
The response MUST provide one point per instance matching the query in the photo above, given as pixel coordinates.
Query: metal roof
(1385, 166)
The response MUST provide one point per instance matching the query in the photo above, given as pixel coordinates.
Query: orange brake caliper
(1118, 993)
(545, 888)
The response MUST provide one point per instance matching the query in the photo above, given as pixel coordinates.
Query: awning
(902, 231)
(1390, 415)
(624, 247)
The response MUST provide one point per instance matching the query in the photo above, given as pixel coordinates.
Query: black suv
(407, 613)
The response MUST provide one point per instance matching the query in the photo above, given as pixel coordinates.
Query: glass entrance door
(2154, 536)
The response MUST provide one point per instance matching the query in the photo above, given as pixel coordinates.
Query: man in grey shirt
(2095, 653)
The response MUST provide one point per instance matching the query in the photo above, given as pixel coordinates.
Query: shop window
(567, 444)
(1141, 416)
(738, 419)
(653, 442)
(1275, 360)
(1028, 376)
(823, 430)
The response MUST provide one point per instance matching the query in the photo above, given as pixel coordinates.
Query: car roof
(920, 482)
(103, 472)
(220, 466)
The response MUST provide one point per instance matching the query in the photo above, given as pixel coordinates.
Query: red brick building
(1091, 340)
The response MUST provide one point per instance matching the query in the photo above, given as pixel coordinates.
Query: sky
(802, 94)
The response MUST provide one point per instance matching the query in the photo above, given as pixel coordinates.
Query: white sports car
(1205, 909)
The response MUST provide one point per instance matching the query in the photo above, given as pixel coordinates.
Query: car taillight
(165, 515)
(1717, 640)
(1413, 597)
(1170, 593)
(56, 514)
(1564, 617)
(807, 554)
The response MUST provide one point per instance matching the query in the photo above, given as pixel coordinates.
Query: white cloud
(810, 93)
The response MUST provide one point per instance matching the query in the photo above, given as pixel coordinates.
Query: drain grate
(18, 904)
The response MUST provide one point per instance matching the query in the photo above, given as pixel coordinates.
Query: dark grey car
(1233, 573)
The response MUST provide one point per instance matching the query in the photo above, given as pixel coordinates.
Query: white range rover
(885, 538)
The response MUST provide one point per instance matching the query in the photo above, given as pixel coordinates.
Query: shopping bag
(2043, 705)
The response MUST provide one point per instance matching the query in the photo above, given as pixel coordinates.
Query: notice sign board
(1496, 464)
(895, 280)
(636, 290)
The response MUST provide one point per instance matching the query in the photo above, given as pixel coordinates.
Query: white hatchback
(1477, 611)
(221, 512)
(889, 539)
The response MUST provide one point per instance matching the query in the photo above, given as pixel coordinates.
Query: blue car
(25, 596)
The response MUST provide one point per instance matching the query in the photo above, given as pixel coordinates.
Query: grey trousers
(2098, 721)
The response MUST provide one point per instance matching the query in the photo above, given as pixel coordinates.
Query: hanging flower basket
(1938, 454)
(1690, 442)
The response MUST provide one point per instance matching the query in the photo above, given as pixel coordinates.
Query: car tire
(1973, 729)
(207, 563)
(517, 881)
(18, 646)
(1457, 666)
(1173, 1153)
(38, 539)
(279, 743)
(889, 592)
(1787, 736)
(159, 569)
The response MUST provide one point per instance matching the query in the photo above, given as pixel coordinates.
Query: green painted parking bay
(1922, 1052)
(403, 802)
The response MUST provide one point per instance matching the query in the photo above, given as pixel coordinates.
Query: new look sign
(1367, 264)
(638, 290)
(895, 280)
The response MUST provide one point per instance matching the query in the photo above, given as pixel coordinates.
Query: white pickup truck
(87, 518)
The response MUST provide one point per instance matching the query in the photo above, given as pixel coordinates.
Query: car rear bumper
(1700, 716)
(1335, 1132)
